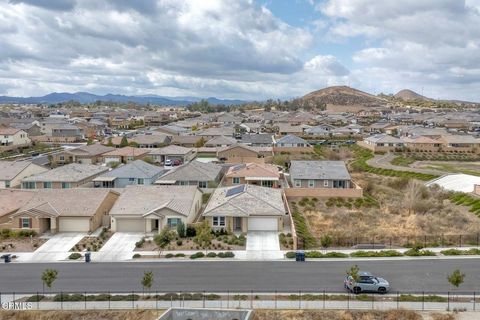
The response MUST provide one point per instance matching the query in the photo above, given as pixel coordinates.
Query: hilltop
(407, 95)
(342, 98)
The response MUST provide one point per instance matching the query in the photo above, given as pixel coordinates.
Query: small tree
(110, 142)
(200, 143)
(353, 272)
(147, 280)
(326, 242)
(123, 142)
(204, 235)
(48, 278)
(181, 230)
(456, 278)
(89, 141)
(164, 238)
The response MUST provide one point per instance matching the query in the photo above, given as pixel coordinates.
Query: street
(403, 275)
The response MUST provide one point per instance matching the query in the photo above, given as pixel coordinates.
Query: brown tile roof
(127, 151)
(11, 199)
(253, 170)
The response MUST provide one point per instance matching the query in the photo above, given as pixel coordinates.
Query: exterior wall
(429, 147)
(39, 225)
(376, 148)
(356, 192)
(123, 182)
(18, 139)
(228, 181)
(103, 210)
(50, 139)
(319, 184)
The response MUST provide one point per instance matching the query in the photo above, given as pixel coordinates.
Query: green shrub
(191, 231)
(197, 255)
(227, 254)
(457, 252)
(384, 253)
(169, 255)
(137, 255)
(140, 243)
(416, 252)
(290, 255)
(179, 255)
(179, 242)
(211, 255)
(334, 254)
(74, 256)
(35, 298)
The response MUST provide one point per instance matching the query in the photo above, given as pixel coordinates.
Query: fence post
(373, 302)
(38, 301)
(397, 300)
(276, 300)
(299, 299)
(61, 300)
(133, 300)
(390, 242)
(474, 300)
(204, 299)
(348, 301)
(109, 299)
(425, 241)
(478, 239)
(442, 240)
(85, 298)
(448, 301)
(324, 299)
(156, 299)
(228, 299)
(460, 240)
(251, 299)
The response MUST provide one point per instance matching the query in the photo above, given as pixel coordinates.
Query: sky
(242, 49)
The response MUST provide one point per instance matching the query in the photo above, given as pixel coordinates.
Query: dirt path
(383, 161)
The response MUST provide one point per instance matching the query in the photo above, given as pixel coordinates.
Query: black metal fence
(458, 240)
(322, 299)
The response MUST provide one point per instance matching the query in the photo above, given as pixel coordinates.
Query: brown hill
(342, 96)
(407, 95)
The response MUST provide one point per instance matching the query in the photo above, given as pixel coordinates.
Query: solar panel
(235, 190)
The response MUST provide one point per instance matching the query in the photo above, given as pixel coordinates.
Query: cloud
(429, 43)
(211, 47)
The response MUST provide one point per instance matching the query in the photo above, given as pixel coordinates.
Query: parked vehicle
(177, 162)
(168, 162)
(367, 283)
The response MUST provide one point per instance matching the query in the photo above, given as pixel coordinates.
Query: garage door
(130, 225)
(74, 224)
(262, 224)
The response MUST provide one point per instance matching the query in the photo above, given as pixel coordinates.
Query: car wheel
(357, 290)
(382, 290)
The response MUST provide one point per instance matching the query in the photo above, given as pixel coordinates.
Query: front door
(155, 224)
(237, 224)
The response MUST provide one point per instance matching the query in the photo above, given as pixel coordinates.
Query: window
(311, 183)
(140, 181)
(218, 221)
(173, 222)
(184, 183)
(7, 184)
(28, 185)
(65, 185)
(47, 185)
(268, 183)
(298, 183)
(25, 223)
(62, 158)
(202, 184)
(131, 179)
(325, 183)
(236, 180)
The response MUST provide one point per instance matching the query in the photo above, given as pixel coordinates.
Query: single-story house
(239, 153)
(91, 154)
(246, 208)
(125, 155)
(186, 141)
(12, 172)
(319, 174)
(137, 172)
(150, 209)
(256, 140)
(69, 176)
(69, 210)
(172, 152)
(195, 173)
(265, 175)
(382, 143)
(220, 141)
(292, 143)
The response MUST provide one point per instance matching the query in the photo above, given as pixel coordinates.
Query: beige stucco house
(12, 172)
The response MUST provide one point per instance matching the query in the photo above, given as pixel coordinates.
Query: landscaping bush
(227, 254)
(136, 256)
(334, 254)
(35, 298)
(181, 231)
(179, 242)
(290, 255)
(417, 252)
(140, 243)
(191, 231)
(169, 255)
(371, 254)
(74, 256)
(457, 252)
(197, 255)
(179, 255)
(211, 255)
(303, 233)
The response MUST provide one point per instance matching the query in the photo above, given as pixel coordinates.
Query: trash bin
(300, 256)
(87, 256)
(7, 258)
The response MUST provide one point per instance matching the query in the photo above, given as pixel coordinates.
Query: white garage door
(262, 224)
(74, 224)
(131, 225)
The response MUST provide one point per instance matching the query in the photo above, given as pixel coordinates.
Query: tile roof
(141, 200)
(169, 150)
(68, 173)
(253, 170)
(135, 169)
(10, 169)
(193, 171)
(8, 130)
(127, 151)
(12, 199)
(250, 201)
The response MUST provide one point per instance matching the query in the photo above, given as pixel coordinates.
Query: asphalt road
(404, 275)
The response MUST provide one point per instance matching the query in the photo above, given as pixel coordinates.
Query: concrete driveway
(55, 249)
(119, 247)
(263, 245)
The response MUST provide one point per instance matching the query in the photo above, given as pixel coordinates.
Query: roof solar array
(235, 191)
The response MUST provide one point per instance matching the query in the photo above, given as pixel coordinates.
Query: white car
(168, 163)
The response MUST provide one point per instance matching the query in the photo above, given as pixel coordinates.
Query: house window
(184, 183)
(7, 184)
(218, 221)
(47, 185)
(202, 184)
(62, 158)
(65, 185)
(140, 181)
(131, 179)
(298, 183)
(236, 180)
(325, 183)
(268, 183)
(173, 222)
(28, 185)
(25, 223)
(311, 183)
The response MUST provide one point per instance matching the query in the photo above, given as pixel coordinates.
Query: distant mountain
(85, 97)
(342, 96)
(407, 95)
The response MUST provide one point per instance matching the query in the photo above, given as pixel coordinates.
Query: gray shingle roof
(291, 139)
(135, 169)
(252, 201)
(193, 171)
(319, 170)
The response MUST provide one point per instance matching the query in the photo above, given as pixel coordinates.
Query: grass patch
(457, 252)
(374, 254)
(464, 199)
(303, 233)
(402, 161)
(417, 252)
(429, 298)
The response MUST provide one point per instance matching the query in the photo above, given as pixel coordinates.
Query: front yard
(92, 243)
(19, 241)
